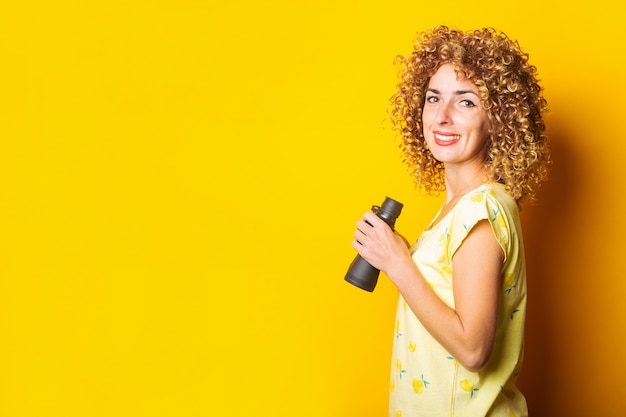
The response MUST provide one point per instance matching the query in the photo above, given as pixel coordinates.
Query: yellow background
(179, 183)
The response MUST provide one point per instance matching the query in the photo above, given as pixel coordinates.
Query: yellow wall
(179, 183)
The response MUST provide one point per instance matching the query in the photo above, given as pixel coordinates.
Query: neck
(460, 182)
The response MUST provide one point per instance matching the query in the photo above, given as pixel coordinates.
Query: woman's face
(455, 123)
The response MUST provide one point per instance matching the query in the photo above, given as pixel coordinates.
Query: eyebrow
(458, 92)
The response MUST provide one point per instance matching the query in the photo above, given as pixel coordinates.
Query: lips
(443, 139)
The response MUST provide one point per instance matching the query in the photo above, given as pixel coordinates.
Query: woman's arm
(468, 330)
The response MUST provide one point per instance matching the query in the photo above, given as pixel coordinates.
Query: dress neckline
(436, 220)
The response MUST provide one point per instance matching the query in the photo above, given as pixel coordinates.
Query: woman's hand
(378, 244)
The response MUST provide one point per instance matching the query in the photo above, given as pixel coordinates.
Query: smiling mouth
(445, 140)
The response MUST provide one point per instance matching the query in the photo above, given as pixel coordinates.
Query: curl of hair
(517, 153)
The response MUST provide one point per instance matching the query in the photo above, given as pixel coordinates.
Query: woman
(469, 112)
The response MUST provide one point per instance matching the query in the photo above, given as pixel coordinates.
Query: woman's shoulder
(491, 192)
(486, 202)
(489, 202)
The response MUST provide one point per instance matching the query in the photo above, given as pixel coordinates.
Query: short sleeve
(481, 204)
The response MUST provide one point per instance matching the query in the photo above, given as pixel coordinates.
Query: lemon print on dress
(398, 413)
(468, 386)
(401, 371)
(446, 271)
(478, 197)
(512, 312)
(419, 385)
(508, 282)
(412, 346)
(445, 236)
(512, 414)
(498, 219)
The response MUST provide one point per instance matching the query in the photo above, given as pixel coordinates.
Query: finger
(372, 219)
(359, 236)
(363, 226)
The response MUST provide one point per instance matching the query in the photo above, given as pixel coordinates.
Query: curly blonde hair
(517, 154)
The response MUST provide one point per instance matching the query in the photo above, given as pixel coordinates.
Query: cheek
(427, 119)
(486, 132)
(487, 124)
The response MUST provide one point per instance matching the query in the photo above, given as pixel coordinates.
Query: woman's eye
(467, 103)
(431, 99)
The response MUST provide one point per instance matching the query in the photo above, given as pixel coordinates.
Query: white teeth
(447, 137)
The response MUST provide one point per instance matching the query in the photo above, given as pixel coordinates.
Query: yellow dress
(426, 381)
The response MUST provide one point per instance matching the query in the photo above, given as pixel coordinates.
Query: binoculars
(361, 273)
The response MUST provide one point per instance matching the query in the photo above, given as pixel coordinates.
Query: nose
(444, 115)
